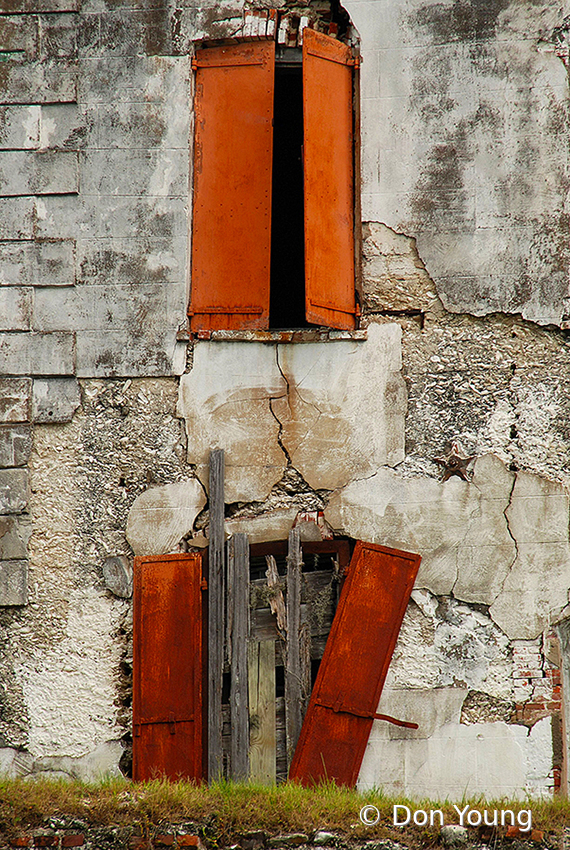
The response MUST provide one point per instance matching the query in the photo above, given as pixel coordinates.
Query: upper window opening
(287, 275)
(273, 214)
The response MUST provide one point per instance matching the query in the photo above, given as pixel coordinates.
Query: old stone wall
(108, 411)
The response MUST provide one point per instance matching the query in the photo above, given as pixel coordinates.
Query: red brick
(537, 835)
(22, 841)
(164, 840)
(513, 832)
(73, 840)
(137, 843)
(46, 840)
(188, 841)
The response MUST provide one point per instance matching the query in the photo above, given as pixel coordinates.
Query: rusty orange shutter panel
(359, 648)
(233, 147)
(328, 166)
(167, 667)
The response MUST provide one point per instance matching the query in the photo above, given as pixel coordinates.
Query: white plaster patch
(450, 643)
(225, 401)
(69, 690)
(344, 414)
(274, 525)
(457, 527)
(491, 759)
(160, 517)
(536, 588)
(341, 407)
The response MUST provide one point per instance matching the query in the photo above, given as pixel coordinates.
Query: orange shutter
(167, 667)
(232, 186)
(351, 676)
(328, 163)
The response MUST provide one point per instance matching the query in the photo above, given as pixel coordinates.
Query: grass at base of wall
(225, 811)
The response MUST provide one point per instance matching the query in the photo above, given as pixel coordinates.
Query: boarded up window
(232, 273)
(167, 667)
(351, 676)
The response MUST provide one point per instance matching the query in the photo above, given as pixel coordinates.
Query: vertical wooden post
(216, 614)
(293, 670)
(238, 636)
(263, 746)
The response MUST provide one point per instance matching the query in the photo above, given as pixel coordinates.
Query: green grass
(227, 810)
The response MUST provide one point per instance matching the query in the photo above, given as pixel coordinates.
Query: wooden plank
(262, 749)
(216, 631)
(238, 596)
(327, 161)
(233, 149)
(167, 667)
(354, 666)
(294, 696)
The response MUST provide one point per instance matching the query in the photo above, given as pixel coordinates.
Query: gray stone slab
(65, 216)
(116, 354)
(13, 491)
(144, 309)
(143, 125)
(161, 172)
(38, 172)
(15, 399)
(17, 218)
(15, 445)
(55, 399)
(38, 82)
(19, 127)
(58, 36)
(67, 126)
(19, 33)
(15, 308)
(118, 575)
(114, 261)
(13, 583)
(37, 354)
(22, 6)
(149, 216)
(39, 263)
(15, 532)
(114, 79)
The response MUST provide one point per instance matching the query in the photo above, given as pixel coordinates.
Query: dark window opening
(287, 278)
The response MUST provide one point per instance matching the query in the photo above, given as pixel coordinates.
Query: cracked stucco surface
(273, 405)
(500, 540)
(465, 129)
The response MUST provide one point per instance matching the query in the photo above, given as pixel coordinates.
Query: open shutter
(167, 667)
(351, 676)
(233, 141)
(328, 166)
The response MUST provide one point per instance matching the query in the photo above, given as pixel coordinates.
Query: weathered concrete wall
(465, 158)
(66, 658)
(465, 146)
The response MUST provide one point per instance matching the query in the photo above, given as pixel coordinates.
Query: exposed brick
(537, 835)
(164, 840)
(73, 840)
(22, 841)
(46, 840)
(188, 841)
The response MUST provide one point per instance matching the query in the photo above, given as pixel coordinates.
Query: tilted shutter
(167, 667)
(351, 676)
(328, 167)
(233, 143)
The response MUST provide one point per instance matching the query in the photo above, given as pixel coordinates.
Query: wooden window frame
(231, 230)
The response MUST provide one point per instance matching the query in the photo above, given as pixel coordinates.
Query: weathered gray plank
(293, 688)
(261, 675)
(238, 636)
(216, 564)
